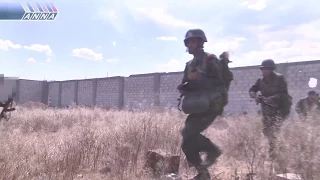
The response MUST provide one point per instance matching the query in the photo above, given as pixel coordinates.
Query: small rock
(105, 170)
(171, 176)
(80, 176)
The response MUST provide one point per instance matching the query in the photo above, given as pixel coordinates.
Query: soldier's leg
(205, 144)
(272, 125)
(193, 141)
(267, 131)
(190, 134)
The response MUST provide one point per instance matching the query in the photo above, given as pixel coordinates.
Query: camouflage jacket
(211, 76)
(303, 106)
(276, 87)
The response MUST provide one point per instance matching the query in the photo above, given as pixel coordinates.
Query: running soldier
(275, 101)
(307, 104)
(205, 85)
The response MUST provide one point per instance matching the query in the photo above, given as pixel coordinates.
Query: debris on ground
(171, 176)
(160, 163)
(288, 176)
(105, 170)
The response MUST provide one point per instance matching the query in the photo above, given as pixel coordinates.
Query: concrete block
(68, 93)
(30, 91)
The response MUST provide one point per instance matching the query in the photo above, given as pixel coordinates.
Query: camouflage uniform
(305, 105)
(273, 117)
(215, 84)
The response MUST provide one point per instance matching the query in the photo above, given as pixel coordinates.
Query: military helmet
(268, 63)
(312, 93)
(198, 33)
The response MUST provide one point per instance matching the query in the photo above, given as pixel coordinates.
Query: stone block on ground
(288, 176)
(160, 163)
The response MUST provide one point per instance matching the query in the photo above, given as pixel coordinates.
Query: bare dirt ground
(45, 144)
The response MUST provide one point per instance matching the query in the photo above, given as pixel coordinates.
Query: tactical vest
(217, 85)
(202, 66)
(269, 89)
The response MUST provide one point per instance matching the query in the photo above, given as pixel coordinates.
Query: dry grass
(76, 143)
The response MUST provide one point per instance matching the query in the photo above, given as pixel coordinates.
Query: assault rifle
(262, 99)
(7, 109)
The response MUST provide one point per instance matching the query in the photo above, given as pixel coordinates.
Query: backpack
(227, 75)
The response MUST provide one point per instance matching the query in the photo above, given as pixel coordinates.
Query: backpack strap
(210, 57)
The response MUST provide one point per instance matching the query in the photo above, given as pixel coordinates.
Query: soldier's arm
(254, 89)
(184, 78)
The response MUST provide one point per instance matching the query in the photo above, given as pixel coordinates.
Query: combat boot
(203, 174)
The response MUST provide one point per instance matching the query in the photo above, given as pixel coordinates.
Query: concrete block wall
(68, 93)
(30, 90)
(139, 91)
(7, 88)
(168, 89)
(85, 92)
(110, 92)
(244, 78)
(159, 89)
(54, 93)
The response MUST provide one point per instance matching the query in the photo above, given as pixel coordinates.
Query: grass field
(76, 143)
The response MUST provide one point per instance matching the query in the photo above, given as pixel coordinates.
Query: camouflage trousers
(193, 141)
(272, 123)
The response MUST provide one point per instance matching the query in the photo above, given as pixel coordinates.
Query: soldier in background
(275, 101)
(307, 104)
(211, 77)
